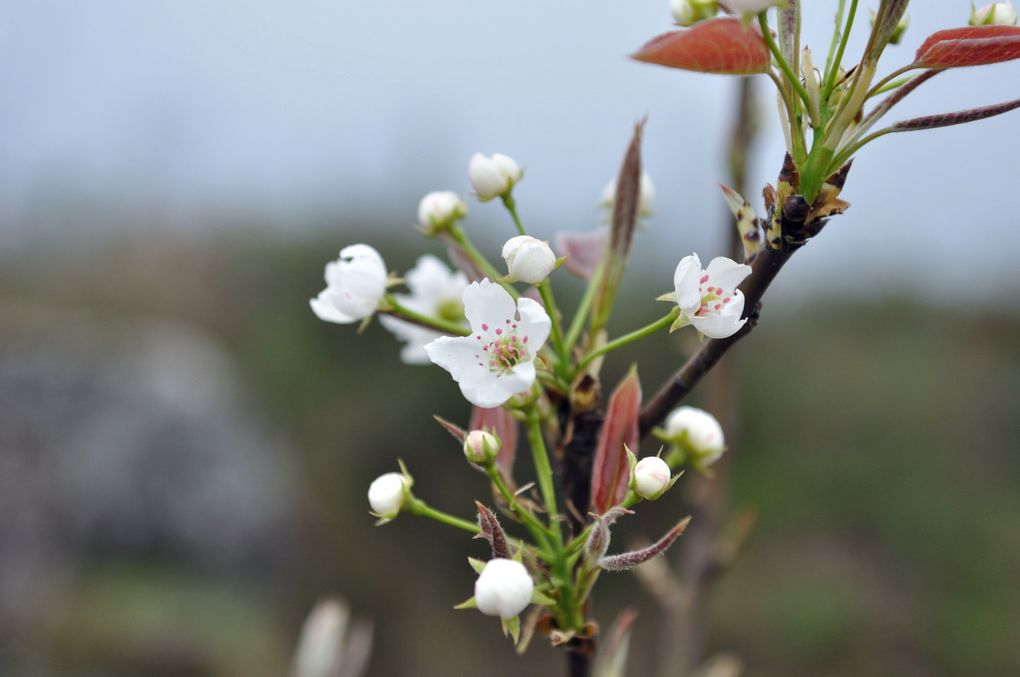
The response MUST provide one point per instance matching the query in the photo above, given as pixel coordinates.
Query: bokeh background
(185, 448)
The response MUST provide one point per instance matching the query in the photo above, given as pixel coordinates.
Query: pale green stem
(627, 339)
(437, 323)
(880, 86)
(461, 238)
(836, 39)
(832, 70)
(581, 313)
(792, 78)
(556, 334)
(538, 531)
(543, 471)
(511, 206)
(418, 507)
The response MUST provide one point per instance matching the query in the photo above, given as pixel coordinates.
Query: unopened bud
(503, 589)
(994, 14)
(646, 198)
(387, 493)
(439, 210)
(528, 259)
(651, 478)
(494, 176)
(901, 28)
(481, 447)
(697, 432)
(690, 12)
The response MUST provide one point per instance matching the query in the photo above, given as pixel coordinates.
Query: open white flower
(355, 283)
(503, 588)
(497, 360)
(708, 298)
(493, 176)
(646, 195)
(435, 291)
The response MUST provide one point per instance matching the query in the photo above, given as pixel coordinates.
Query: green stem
(626, 339)
(418, 507)
(543, 471)
(880, 86)
(556, 334)
(437, 323)
(581, 314)
(487, 269)
(798, 150)
(836, 40)
(511, 206)
(832, 70)
(538, 531)
(791, 77)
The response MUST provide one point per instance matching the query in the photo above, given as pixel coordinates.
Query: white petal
(429, 279)
(726, 273)
(722, 323)
(686, 278)
(414, 336)
(487, 306)
(486, 393)
(457, 355)
(326, 310)
(534, 324)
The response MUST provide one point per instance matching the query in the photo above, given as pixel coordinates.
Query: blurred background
(185, 448)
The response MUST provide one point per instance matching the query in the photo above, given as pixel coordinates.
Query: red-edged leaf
(721, 45)
(969, 46)
(505, 427)
(610, 474)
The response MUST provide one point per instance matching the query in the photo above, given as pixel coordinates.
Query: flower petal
(727, 273)
(685, 280)
(723, 323)
(535, 324)
(457, 355)
(325, 309)
(487, 305)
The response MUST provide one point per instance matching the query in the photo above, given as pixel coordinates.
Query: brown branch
(763, 270)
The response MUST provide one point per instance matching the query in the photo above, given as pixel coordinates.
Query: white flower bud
(386, 494)
(698, 431)
(994, 14)
(320, 648)
(355, 283)
(690, 12)
(528, 259)
(752, 6)
(651, 478)
(440, 209)
(646, 199)
(503, 589)
(481, 447)
(493, 176)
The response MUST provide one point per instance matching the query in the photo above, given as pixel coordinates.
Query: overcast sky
(193, 110)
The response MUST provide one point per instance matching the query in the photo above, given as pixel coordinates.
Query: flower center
(712, 298)
(502, 348)
(451, 310)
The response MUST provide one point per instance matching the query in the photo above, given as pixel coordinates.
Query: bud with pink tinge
(481, 448)
(651, 478)
(503, 589)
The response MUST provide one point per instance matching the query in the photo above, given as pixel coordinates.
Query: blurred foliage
(879, 451)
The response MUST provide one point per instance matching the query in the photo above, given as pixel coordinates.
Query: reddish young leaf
(969, 46)
(610, 474)
(721, 45)
(501, 422)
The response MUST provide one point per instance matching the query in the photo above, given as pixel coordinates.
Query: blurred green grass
(879, 449)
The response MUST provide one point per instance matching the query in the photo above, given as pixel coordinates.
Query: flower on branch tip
(708, 298)
(481, 448)
(387, 494)
(503, 589)
(651, 478)
(746, 7)
(355, 284)
(689, 12)
(994, 14)
(493, 176)
(646, 197)
(435, 292)
(528, 259)
(497, 360)
(695, 433)
(439, 210)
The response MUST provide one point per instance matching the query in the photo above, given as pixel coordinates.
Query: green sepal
(467, 604)
(542, 599)
(560, 261)
(512, 627)
(669, 297)
(679, 323)
(476, 564)
(632, 462)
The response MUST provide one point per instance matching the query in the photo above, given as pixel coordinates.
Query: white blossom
(646, 195)
(709, 298)
(355, 283)
(994, 14)
(386, 494)
(503, 588)
(481, 447)
(493, 176)
(435, 291)
(528, 259)
(497, 360)
(697, 431)
(440, 209)
(651, 477)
